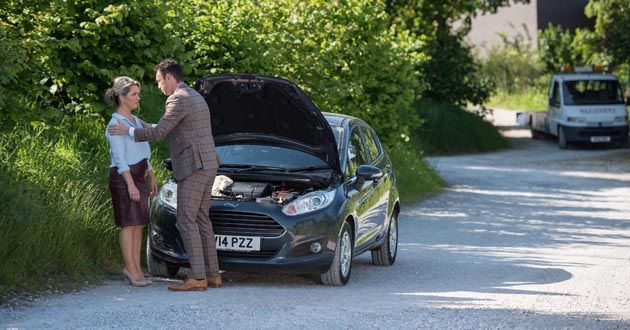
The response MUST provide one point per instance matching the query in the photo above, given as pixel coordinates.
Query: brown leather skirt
(126, 211)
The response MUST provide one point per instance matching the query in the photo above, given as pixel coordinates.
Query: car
(303, 192)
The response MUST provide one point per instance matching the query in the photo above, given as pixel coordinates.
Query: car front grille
(264, 254)
(244, 224)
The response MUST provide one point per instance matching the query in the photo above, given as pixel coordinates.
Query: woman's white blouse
(123, 149)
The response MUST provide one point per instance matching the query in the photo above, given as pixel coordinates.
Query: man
(186, 122)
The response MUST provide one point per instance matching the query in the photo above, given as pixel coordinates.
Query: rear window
(261, 155)
(589, 92)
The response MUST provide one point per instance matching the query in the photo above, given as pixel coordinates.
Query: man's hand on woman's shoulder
(119, 128)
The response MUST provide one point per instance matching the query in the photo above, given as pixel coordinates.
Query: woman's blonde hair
(121, 87)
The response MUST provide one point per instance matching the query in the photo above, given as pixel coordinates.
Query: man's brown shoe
(190, 284)
(214, 282)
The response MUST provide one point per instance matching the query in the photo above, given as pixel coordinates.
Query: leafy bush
(513, 65)
(343, 54)
(77, 47)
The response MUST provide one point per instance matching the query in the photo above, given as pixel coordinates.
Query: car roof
(340, 120)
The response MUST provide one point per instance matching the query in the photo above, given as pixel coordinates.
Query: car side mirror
(552, 102)
(168, 164)
(369, 172)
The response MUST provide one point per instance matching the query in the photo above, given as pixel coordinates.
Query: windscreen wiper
(309, 168)
(252, 168)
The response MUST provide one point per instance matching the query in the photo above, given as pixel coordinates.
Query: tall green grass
(448, 129)
(56, 218)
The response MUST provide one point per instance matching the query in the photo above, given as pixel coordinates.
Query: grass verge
(447, 129)
(415, 179)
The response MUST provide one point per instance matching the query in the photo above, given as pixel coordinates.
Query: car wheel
(157, 267)
(341, 267)
(562, 139)
(385, 255)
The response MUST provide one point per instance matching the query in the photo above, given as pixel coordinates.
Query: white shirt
(123, 149)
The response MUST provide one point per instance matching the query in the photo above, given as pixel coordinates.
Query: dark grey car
(307, 191)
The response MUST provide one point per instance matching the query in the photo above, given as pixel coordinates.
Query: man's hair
(170, 66)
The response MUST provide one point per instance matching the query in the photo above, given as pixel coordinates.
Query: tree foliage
(612, 28)
(451, 73)
(513, 65)
(343, 54)
(76, 47)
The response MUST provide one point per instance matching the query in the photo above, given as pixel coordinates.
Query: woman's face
(132, 99)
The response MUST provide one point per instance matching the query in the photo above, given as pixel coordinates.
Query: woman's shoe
(132, 282)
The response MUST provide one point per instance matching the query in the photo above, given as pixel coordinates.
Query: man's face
(166, 83)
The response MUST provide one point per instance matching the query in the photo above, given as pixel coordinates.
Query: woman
(127, 184)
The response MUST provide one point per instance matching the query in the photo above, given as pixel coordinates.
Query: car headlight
(310, 202)
(621, 118)
(168, 194)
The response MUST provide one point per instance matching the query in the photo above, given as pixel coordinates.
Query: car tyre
(157, 267)
(562, 139)
(385, 255)
(339, 272)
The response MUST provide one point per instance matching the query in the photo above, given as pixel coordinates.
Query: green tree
(343, 54)
(612, 20)
(451, 73)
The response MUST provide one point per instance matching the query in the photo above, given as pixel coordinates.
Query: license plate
(600, 138)
(237, 243)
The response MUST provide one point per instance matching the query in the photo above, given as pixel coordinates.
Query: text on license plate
(600, 138)
(237, 243)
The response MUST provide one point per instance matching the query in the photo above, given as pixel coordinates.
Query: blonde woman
(128, 175)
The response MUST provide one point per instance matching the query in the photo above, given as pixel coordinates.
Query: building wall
(513, 20)
(526, 20)
(567, 13)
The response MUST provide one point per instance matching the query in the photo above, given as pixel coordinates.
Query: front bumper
(284, 247)
(584, 134)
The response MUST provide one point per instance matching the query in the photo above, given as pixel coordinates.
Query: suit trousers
(195, 226)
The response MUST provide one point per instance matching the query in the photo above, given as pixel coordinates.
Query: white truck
(585, 105)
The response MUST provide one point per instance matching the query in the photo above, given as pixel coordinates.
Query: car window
(372, 146)
(261, 155)
(357, 154)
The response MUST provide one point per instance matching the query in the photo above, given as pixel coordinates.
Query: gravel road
(533, 237)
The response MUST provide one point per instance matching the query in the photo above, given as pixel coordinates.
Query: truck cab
(584, 106)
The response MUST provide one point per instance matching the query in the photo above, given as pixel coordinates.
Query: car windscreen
(592, 92)
(267, 156)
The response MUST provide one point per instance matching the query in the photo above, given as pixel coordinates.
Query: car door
(376, 201)
(362, 194)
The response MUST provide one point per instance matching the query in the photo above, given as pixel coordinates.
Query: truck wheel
(535, 134)
(562, 139)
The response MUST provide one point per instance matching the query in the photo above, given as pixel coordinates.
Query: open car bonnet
(248, 109)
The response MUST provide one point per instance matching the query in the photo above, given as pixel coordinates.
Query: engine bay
(278, 193)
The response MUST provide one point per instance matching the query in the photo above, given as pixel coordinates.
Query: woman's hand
(152, 183)
(134, 193)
